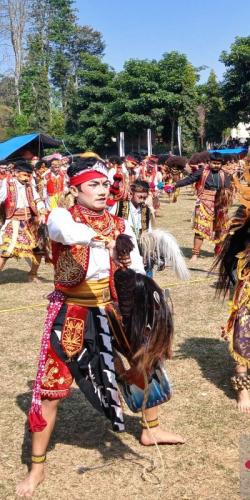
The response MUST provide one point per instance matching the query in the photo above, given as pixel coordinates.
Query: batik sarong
(238, 325)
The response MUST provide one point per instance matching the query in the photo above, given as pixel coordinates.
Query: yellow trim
(38, 460)
(149, 423)
(206, 237)
(89, 293)
(237, 357)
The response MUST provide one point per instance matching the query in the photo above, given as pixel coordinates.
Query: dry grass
(202, 408)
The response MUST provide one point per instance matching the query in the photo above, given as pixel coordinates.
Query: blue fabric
(9, 147)
(235, 151)
(159, 390)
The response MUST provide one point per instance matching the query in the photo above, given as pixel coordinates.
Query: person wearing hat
(40, 169)
(133, 167)
(82, 324)
(116, 166)
(211, 210)
(22, 205)
(176, 165)
(54, 184)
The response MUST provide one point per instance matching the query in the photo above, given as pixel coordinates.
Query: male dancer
(54, 185)
(138, 211)
(77, 341)
(135, 210)
(211, 209)
(22, 205)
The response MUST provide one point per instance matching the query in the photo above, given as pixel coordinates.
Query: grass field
(202, 407)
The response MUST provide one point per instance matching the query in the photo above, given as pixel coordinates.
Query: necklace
(103, 224)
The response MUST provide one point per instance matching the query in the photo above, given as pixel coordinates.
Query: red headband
(85, 176)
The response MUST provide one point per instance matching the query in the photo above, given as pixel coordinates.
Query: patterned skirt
(238, 325)
(210, 221)
(83, 347)
(17, 239)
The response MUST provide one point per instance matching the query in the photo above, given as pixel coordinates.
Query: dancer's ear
(74, 191)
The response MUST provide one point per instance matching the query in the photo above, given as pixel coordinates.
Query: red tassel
(217, 249)
(36, 422)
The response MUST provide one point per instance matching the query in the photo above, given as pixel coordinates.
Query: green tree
(85, 40)
(178, 96)
(35, 88)
(68, 43)
(236, 84)
(212, 100)
(133, 109)
(157, 95)
(87, 105)
(7, 91)
(61, 29)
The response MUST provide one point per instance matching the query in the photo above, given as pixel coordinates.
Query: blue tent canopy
(36, 141)
(235, 151)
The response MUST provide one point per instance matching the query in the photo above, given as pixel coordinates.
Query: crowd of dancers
(108, 325)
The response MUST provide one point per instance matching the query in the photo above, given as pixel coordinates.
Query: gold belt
(22, 214)
(89, 293)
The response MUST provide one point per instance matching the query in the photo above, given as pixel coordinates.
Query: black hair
(40, 163)
(204, 157)
(178, 162)
(81, 164)
(216, 157)
(236, 241)
(23, 166)
(115, 160)
(195, 159)
(51, 161)
(147, 318)
(140, 185)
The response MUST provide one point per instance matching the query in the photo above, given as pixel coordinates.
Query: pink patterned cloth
(36, 420)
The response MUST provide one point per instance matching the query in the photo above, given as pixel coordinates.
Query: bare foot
(160, 436)
(243, 401)
(194, 258)
(27, 487)
(33, 278)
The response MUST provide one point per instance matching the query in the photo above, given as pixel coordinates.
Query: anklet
(195, 252)
(240, 382)
(149, 423)
(38, 459)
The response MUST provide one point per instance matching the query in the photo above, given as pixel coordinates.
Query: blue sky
(146, 29)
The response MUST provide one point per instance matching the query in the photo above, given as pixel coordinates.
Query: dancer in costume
(54, 185)
(40, 170)
(135, 210)
(82, 322)
(133, 167)
(23, 209)
(176, 165)
(117, 167)
(139, 215)
(158, 248)
(211, 209)
(234, 270)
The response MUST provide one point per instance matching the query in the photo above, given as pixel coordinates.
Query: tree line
(60, 85)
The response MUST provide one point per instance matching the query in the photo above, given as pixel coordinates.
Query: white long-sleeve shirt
(22, 201)
(63, 229)
(134, 218)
